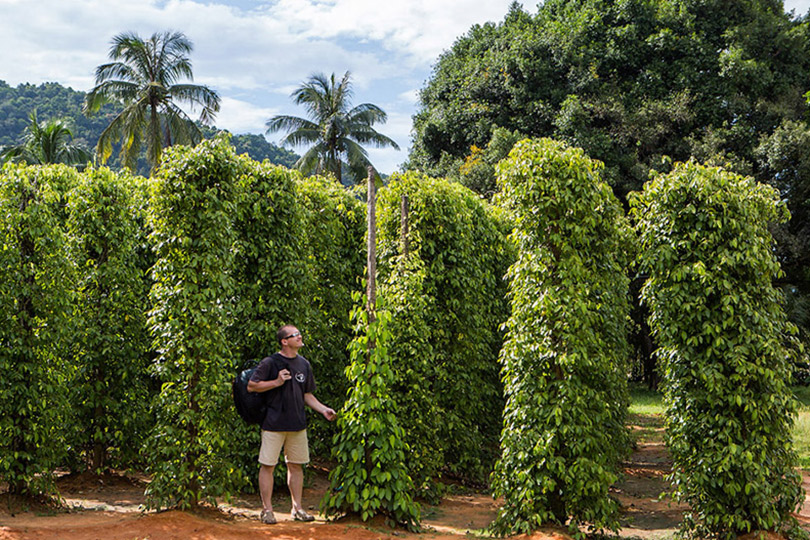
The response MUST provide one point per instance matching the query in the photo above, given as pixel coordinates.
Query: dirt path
(109, 509)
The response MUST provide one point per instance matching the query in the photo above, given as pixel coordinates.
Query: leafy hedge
(109, 388)
(298, 256)
(270, 277)
(722, 337)
(564, 359)
(447, 302)
(237, 248)
(35, 302)
(333, 232)
(191, 214)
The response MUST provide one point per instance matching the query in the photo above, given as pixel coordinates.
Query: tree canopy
(144, 78)
(629, 82)
(45, 143)
(336, 130)
(639, 85)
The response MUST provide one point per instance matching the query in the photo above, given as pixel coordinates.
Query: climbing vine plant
(369, 477)
(564, 358)
(35, 300)
(108, 387)
(722, 336)
(333, 232)
(447, 299)
(191, 215)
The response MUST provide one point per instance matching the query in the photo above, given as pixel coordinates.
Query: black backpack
(251, 406)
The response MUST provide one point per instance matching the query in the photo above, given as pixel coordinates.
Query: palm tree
(46, 142)
(334, 128)
(143, 77)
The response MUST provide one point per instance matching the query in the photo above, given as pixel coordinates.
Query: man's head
(289, 336)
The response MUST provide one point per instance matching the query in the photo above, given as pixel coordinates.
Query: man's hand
(283, 375)
(313, 403)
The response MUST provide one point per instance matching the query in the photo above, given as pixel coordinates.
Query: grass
(647, 411)
(801, 438)
(644, 401)
(646, 414)
(801, 428)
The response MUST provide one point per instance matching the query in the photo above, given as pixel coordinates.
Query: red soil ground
(109, 508)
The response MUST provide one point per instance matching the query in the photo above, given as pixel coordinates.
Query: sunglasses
(294, 334)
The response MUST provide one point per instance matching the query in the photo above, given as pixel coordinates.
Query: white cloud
(398, 127)
(411, 96)
(420, 28)
(243, 117)
(254, 53)
(800, 7)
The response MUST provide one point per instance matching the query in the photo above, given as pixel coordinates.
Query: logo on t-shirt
(300, 377)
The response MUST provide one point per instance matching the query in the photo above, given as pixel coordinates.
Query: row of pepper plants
(130, 303)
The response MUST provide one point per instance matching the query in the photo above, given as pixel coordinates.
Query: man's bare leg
(295, 481)
(266, 486)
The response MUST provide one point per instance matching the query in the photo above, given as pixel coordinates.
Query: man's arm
(264, 386)
(313, 403)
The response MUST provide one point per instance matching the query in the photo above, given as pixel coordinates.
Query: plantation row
(130, 304)
(137, 300)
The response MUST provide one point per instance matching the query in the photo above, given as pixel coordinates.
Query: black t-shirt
(285, 404)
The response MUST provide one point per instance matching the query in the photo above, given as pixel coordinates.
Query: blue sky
(254, 52)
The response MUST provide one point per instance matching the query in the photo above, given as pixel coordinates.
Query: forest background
(638, 85)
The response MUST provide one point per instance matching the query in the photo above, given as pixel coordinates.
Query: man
(287, 378)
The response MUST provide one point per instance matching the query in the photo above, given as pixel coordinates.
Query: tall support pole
(404, 209)
(371, 290)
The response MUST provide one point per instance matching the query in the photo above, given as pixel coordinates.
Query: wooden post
(404, 209)
(371, 289)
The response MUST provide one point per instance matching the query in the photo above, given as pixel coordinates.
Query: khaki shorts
(296, 447)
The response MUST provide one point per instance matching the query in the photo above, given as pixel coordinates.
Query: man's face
(294, 338)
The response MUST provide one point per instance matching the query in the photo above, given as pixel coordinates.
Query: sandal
(301, 515)
(267, 517)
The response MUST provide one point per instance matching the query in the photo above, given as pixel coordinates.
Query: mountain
(52, 100)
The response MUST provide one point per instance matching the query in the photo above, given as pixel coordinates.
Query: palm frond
(343, 93)
(121, 128)
(182, 128)
(366, 135)
(367, 113)
(176, 69)
(132, 50)
(357, 160)
(156, 139)
(301, 137)
(288, 123)
(356, 155)
(17, 154)
(310, 161)
(107, 92)
(115, 71)
(198, 95)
